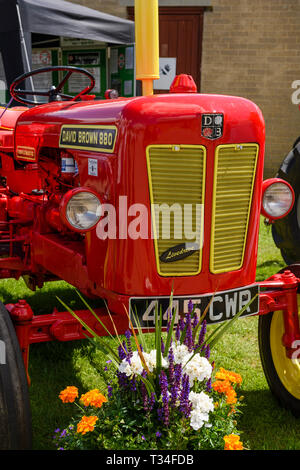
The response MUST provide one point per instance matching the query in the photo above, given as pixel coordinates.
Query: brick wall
(112, 7)
(251, 48)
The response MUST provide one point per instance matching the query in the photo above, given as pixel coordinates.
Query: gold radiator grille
(176, 176)
(234, 174)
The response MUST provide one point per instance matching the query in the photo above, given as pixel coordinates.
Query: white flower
(202, 404)
(150, 359)
(181, 354)
(198, 368)
(135, 366)
(198, 419)
(201, 401)
(136, 363)
(125, 368)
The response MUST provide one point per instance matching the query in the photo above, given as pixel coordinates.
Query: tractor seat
(7, 126)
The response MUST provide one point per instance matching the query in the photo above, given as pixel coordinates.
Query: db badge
(212, 126)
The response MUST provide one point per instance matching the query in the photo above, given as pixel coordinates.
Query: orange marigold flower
(231, 396)
(221, 386)
(232, 442)
(229, 375)
(87, 424)
(69, 394)
(224, 386)
(93, 398)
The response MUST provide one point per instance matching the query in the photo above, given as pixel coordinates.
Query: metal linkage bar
(60, 326)
(282, 296)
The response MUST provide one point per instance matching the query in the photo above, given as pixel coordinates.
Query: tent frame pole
(23, 42)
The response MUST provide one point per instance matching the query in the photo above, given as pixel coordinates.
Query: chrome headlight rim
(71, 218)
(278, 198)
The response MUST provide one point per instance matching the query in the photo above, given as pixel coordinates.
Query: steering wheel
(55, 93)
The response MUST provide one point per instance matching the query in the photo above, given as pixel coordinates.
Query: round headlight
(278, 199)
(81, 210)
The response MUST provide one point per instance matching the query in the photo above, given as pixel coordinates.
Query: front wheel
(282, 373)
(15, 416)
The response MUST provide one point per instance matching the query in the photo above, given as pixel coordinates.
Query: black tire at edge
(286, 231)
(285, 399)
(15, 414)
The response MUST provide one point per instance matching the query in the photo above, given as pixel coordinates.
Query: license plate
(222, 306)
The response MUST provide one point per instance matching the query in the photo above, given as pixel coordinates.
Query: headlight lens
(83, 210)
(277, 200)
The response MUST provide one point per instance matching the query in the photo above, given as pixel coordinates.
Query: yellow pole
(146, 43)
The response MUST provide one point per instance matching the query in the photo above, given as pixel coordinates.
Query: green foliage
(158, 398)
(263, 423)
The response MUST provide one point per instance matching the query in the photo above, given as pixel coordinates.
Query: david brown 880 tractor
(63, 161)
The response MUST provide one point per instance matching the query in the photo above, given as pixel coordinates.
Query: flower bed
(166, 397)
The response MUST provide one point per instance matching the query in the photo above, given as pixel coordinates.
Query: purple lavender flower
(109, 391)
(188, 341)
(207, 351)
(122, 380)
(163, 381)
(152, 401)
(185, 405)
(122, 351)
(171, 365)
(175, 386)
(177, 332)
(208, 385)
(144, 393)
(132, 383)
(129, 345)
(158, 434)
(202, 333)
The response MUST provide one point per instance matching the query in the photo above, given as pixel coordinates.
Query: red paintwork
(130, 267)
(40, 244)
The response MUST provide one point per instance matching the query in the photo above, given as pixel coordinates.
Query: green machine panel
(122, 70)
(92, 60)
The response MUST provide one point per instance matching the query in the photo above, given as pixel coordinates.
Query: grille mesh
(177, 177)
(235, 167)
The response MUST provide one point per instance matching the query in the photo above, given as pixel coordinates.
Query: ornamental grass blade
(141, 335)
(217, 335)
(102, 324)
(137, 343)
(203, 316)
(158, 327)
(170, 332)
(96, 316)
(148, 384)
(114, 356)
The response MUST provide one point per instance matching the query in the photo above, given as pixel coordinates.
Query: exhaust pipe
(146, 43)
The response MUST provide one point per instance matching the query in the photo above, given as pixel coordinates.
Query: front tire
(286, 231)
(15, 416)
(282, 373)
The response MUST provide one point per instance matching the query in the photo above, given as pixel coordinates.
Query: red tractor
(85, 188)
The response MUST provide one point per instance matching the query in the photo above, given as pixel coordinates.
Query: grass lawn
(53, 366)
